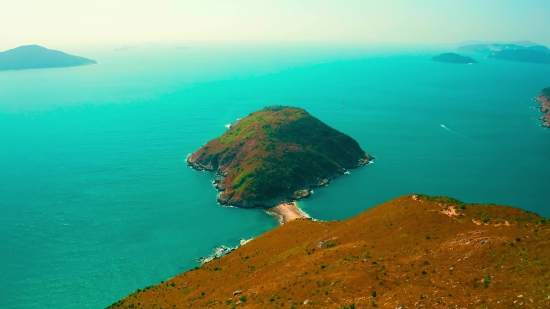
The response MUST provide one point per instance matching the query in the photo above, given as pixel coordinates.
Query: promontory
(38, 57)
(276, 155)
(415, 251)
(544, 99)
(454, 58)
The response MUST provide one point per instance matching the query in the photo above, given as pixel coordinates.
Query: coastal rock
(276, 155)
(300, 194)
(544, 99)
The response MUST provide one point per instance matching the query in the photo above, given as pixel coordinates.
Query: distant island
(544, 99)
(496, 47)
(522, 55)
(415, 251)
(513, 52)
(38, 57)
(453, 58)
(276, 155)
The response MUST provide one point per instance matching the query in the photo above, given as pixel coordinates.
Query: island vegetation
(454, 58)
(544, 99)
(412, 252)
(276, 155)
(38, 57)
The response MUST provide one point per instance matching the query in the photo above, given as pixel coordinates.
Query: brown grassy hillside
(411, 252)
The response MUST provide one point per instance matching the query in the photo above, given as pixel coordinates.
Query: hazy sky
(119, 22)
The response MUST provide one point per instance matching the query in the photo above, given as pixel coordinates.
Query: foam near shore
(287, 212)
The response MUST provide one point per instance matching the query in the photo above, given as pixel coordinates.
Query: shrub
(486, 280)
(330, 245)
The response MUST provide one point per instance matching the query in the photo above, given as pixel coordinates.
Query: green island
(544, 99)
(454, 58)
(38, 57)
(276, 155)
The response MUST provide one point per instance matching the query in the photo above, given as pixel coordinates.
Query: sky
(362, 22)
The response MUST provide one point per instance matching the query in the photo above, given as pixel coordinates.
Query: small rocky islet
(276, 155)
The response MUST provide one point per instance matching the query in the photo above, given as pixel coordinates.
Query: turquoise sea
(96, 200)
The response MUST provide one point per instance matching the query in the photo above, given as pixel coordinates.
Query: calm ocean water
(96, 200)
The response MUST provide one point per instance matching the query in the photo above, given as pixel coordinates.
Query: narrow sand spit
(287, 212)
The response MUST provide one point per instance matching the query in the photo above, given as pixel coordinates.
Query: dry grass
(411, 252)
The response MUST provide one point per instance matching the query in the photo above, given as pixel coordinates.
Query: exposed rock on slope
(411, 252)
(276, 155)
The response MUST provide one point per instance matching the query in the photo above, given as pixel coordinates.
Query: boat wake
(446, 128)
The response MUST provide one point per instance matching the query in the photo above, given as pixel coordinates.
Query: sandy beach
(287, 212)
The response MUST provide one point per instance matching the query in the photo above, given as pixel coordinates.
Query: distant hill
(495, 47)
(522, 55)
(453, 58)
(38, 57)
(476, 42)
(512, 52)
(276, 155)
(412, 252)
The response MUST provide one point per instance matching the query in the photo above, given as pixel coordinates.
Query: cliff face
(544, 99)
(411, 252)
(276, 155)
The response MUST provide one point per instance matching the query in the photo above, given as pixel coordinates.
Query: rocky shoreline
(226, 200)
(544, 99)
